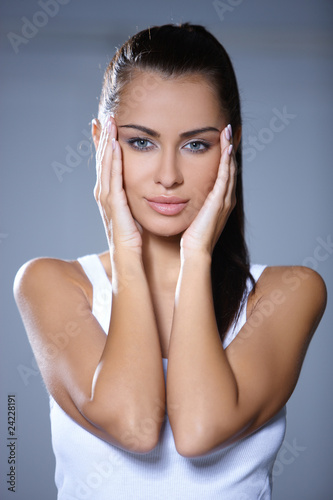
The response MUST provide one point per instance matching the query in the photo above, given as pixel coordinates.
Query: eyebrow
(153, 133)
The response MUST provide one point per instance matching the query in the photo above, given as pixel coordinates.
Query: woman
(181, 391)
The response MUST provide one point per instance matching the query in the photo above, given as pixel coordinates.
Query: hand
(206, 228)
(122, 231)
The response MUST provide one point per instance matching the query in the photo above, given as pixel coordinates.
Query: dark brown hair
(184, 50)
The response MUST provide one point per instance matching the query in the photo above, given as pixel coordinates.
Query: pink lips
(167, 205)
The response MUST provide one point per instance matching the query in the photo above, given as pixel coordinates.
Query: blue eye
(140, 143)
(197, 146)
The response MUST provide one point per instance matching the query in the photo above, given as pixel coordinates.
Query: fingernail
(227, 133)
(113, 143)
(230, 130)
(109, 125)
(230, 148)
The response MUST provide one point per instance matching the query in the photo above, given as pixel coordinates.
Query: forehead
(161, 102)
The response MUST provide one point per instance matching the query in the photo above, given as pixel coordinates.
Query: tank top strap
(256, 270)
(102, 291)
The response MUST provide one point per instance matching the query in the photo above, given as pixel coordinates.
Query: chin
(168, 230)
(166, 226)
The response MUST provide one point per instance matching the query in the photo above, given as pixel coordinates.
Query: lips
(167, 205)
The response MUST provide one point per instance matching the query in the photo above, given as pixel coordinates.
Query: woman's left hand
(202, 234)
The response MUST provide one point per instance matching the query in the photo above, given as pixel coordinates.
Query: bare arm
(223, 395)
(105, 383)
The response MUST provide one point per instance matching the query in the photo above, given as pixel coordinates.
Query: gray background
(282, 52)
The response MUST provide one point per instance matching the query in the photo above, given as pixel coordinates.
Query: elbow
(124, 429)
(189, 447)
(138, 435)
(193, 441)
(192, 446)
(201, 440)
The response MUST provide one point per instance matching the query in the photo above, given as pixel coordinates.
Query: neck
(161, 259)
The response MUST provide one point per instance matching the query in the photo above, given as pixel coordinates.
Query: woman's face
(169, 133)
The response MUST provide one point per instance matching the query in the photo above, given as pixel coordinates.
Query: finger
(116, 181)
(216, 198)
(99, 159)
(223, 174)
(105, 156)
(100, 149)
(111, 131)
(230, 197)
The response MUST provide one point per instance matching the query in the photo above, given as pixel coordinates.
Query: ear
(96, 129)
(237, 135)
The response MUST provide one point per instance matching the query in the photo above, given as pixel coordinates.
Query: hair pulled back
(187, 50)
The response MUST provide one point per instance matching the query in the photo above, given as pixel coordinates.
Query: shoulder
(292, 279)
(296, 286)
(39, 274)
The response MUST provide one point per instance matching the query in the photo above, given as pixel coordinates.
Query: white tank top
(89, 468)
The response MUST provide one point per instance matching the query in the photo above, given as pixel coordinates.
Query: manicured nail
(227, 133)
(230, 130)
(109, 125)
(113, 143)
(230, 148)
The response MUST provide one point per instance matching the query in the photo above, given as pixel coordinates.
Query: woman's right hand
(122, 231)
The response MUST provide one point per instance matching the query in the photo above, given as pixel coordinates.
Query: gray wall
(50, 83)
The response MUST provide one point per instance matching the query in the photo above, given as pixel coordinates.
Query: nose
(168, 171)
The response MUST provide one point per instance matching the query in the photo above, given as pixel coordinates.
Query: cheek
(205, 179)
(209, 179)
(132, 172)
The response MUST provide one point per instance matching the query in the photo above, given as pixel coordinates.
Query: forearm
(129, 381)
(200, 381)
